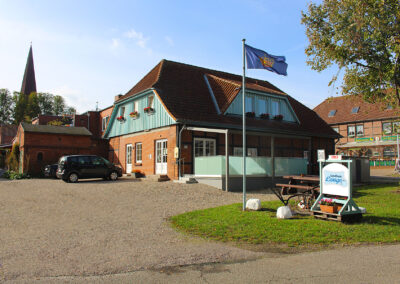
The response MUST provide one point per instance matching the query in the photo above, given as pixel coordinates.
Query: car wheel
(113, 175)
(73, 177)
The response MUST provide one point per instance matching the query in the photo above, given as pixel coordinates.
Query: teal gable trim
(256, 97)
(144, 121)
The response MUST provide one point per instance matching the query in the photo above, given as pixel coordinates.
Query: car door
(86, 169)
(99, 167)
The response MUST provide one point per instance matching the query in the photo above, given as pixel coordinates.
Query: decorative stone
(253, 204)
(284, 212)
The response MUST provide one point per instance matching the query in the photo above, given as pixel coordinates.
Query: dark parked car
(72, 168)
(50, 170)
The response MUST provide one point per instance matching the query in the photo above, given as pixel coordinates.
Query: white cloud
(74, 98)
(139, 38)
(169, 40)
(115, 43)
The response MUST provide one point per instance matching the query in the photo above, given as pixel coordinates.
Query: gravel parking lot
(51, 228)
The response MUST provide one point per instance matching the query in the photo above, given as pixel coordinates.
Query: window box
(264, 116)
(149, 110)
(278, 117)
(121, 118)
(250, 114)
(134, 114)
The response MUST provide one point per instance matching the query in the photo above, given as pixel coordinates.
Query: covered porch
(214, 157)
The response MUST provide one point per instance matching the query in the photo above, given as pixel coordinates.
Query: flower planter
(329, 208)
(148, 110)
(250, 114)
(278, 117)
(264, 116)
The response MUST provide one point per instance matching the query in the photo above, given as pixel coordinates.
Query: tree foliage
(6, 107)
(58, 105)
(363, 39)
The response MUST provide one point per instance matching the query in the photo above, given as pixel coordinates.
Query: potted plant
(329, 206)
(134, 114)
(250, 114)
(148, 110)
(121, 118)
(137, 173)
(278, 117)
(264, 116)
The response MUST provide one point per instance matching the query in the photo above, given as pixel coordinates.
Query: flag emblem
(259, 59)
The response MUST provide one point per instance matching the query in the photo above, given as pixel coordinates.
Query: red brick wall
(52, 147)
(117, 150)
(104, 113)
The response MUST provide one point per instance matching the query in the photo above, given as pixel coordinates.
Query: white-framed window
(275, 108)
(251, 152)
(138, 153)
(204, 147)
(351, 131)
(136, 106)
(104, 122)
(122, 111)
(360, 130)
(150, 101)
(396, 127)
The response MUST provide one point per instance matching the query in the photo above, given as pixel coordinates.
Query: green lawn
(381, 224)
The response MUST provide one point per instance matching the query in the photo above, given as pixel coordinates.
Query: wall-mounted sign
(321, 155)
(335, 157)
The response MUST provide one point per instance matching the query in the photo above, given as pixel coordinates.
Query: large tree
(33, 108)
(45, 103)
(6, 107)
(58, 105)
(363, 39)
(21, 102)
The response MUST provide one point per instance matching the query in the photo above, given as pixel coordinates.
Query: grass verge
(228, 223)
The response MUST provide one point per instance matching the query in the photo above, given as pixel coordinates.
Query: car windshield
(62, 160)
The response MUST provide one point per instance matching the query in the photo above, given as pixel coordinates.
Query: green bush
(14, 175)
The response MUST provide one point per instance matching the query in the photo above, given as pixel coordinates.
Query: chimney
(117, 97)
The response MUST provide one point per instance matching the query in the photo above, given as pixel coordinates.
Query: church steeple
(29, 81)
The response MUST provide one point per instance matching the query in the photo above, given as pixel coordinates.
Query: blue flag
(258, 59)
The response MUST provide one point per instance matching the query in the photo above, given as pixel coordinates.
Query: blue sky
(90, 51)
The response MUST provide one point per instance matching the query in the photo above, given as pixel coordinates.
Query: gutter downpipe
(179, 159)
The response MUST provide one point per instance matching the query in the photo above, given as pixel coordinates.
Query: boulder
(284, 212)
(253, 204)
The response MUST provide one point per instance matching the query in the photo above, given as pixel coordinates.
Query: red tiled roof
(344, 105)
(184, 92)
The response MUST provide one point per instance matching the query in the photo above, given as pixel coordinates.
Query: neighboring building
(366, 129)
(178, 108)
(7, 134)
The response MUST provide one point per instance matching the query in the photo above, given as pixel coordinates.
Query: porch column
(226, 161)
(273, 159)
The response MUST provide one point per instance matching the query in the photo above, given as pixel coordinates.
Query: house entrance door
(128, 158)
(161, 157)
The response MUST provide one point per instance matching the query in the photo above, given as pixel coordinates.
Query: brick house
(42, 144)
(368, 129)
(186, 120)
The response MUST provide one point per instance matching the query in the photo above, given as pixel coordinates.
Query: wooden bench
(296, 186)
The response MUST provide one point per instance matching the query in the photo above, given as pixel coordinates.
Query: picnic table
(305, 187)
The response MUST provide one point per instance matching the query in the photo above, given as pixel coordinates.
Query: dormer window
(389, 107)
(150, 102)
(332, 113)
(354, 110)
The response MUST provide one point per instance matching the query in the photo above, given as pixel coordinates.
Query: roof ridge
(227, 73)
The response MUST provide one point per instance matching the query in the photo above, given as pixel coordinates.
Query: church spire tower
(29, 81)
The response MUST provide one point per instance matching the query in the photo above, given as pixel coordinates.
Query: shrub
(13, 158)
(14, 175)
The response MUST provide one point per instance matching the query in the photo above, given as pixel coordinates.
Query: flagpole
(244, 125)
